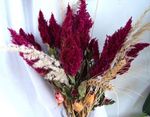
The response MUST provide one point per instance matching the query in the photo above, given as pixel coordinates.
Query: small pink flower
(59, 98)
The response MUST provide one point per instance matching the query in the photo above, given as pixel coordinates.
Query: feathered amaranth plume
(83, 23)
(112, 46)
(71, 56)
(131, 55)
(28, 48)
(84, 16)
(28, 41)
(132, 39)
(123, 64)
(67, 26)
(44, 29)
(136, 49)
(43, 61)
(55, 30)
(132, 46)
(93, 46)
(72, 46)
(127, 54)
(23, 39)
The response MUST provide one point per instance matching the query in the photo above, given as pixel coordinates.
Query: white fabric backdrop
(24, 94)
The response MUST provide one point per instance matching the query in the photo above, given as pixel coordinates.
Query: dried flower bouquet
(79, 73)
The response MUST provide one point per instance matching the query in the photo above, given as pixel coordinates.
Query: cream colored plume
(44, 61)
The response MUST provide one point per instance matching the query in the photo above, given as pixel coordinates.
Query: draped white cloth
(23, 93)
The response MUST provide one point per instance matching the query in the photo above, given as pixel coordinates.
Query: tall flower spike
(27, 40)
(93, 46)
(71, 56)
(55, 30)
(67, 25)
(83, 24)
(132, 54)
(132, 46)
(43, 29)
(23, 39)
(43, 62)
(84, 16)
(30, 39)
(18, 39)
(112, 46)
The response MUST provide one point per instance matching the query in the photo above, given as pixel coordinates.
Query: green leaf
(53, 51)
(82, 90)
(146, 106)
(66, 92)
(143, 115)
(50, 51)
(58, 84)
(72, 80)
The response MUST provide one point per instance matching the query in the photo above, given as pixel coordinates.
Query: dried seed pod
(89, 99)
(78, 106)
(106, 86)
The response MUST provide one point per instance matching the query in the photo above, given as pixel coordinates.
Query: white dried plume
(56, 73)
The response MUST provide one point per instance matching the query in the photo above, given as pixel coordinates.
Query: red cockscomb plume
(30, 39)
(44, 29)
(55, 30)
(27, 40)
(132, 54)
(24, 39)
(67, 26)
(112, 45)
(93, 46)
(83, 24)
(71, 56)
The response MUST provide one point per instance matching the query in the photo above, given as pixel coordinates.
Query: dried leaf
(82, 90)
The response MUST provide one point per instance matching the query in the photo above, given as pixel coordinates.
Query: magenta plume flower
(83, 23)
(93, 46)
(55, 30)
(71, 56)
(27, 40)
(30, 39)
(111, 47)
(23, 39)
(67, 26)
(132, 54)
(44, 29)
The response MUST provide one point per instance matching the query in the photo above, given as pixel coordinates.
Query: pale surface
(24, 94)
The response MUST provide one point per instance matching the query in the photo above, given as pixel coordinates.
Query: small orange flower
(78, 106)
(89, 99)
